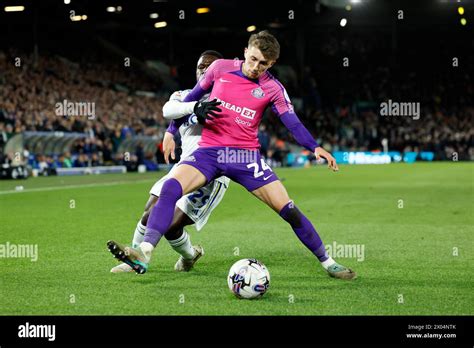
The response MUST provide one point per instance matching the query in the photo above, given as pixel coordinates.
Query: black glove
(206, 110)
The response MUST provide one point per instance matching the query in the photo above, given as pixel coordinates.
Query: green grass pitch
(415, 223)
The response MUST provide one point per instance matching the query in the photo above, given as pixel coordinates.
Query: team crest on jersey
(190, 158)
(258, 93)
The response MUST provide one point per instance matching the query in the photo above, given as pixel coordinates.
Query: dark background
(405, 60)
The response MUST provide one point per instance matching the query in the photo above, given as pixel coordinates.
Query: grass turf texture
(408, 251)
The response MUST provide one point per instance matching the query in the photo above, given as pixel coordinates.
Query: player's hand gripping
(169, 146)
(206, 110)
(320, 152)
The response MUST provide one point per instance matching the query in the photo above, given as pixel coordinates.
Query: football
(248, 278)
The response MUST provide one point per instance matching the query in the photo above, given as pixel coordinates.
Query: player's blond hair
(266, 43)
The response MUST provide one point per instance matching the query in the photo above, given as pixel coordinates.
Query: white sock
(329, 262)
(183, 246)
(147, 249)
(138, 235)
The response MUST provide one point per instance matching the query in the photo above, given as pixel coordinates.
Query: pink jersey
(243, 102)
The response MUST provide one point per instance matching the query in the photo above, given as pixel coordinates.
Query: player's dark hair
(212, 53)
(266, 43)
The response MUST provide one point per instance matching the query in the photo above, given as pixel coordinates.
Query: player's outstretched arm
(174, 109)
(305, 139)
(177, 111)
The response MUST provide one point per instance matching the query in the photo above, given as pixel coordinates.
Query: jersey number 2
(256, 170)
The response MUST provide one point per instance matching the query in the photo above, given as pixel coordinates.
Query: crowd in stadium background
(343, 116)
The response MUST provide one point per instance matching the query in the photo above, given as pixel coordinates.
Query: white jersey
(197, 205)
(190, 130)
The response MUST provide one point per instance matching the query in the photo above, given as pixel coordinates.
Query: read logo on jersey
(244, 112)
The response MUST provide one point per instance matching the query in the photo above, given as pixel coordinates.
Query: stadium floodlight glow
(67, 2)
(119, 8)
(355, 1)
(76, 18)
(348, 7)
(463, 21)
(110, 9)
(14, 8)
(84, 17)
(202, 10)
(461, 10)
(154, 15)
(160, 24)
(343, 22)
(251, 28)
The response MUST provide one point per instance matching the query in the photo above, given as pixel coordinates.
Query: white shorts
(198, 205)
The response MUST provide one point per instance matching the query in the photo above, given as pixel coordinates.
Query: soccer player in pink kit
(244, 89)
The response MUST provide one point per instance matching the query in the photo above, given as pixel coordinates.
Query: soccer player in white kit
(194, 208)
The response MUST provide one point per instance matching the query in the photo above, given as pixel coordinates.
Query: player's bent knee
(189, 178)
(273, 194)
(172, 190)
